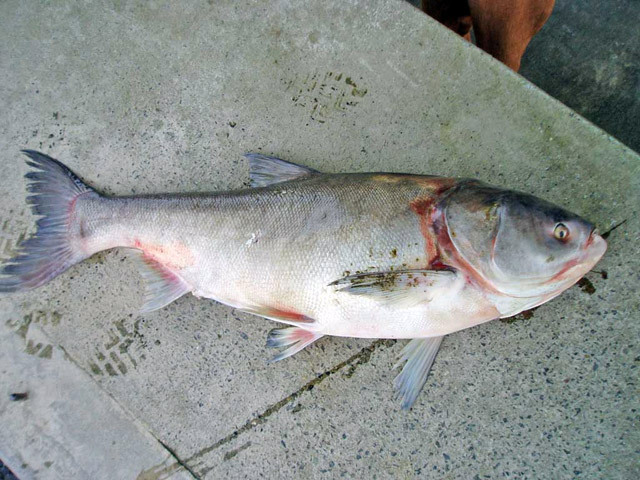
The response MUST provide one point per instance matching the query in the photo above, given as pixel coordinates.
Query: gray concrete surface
(588, 57)
(53, 432)
(159, 97)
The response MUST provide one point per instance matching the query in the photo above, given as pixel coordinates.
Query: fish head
(519, 245)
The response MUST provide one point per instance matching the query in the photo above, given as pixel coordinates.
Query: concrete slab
(155, 97)
(58, 423)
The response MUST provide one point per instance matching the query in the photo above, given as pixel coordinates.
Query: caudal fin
(54, 190)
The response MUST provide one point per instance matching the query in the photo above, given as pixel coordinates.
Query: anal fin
(295, 338)
(162, 285)
(419, 355)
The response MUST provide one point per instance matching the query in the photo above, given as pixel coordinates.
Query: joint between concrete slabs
(170, 469)
(355, 360)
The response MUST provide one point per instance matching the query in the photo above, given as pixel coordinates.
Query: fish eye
(561, 232)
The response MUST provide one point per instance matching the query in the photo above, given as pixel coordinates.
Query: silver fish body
(362, 255)
(276, 250)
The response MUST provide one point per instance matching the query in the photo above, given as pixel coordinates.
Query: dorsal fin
(265, 170)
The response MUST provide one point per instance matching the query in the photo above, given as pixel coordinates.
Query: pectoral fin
(419, 355)
(295, 338)
(265, 170)
(400, 287)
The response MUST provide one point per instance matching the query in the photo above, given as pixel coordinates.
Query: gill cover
(471, 216)
(506, 239)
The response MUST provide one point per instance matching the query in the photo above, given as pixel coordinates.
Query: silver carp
(369, 255)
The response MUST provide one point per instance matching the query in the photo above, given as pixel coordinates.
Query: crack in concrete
(359, 358)
(177, 459)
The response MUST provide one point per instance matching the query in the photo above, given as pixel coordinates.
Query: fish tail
(54, 192)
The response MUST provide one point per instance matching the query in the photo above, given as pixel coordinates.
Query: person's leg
(504, 28)
(453, 14)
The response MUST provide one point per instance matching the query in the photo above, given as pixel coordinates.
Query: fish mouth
(595, 246)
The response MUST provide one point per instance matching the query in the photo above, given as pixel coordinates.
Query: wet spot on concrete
(355, 91)
(46, 352)
(95, 369)
(21, 327)
(110, 370)
(524, 315)
(586, 286)
(527, 314)
(603, 273)
(120, 351)
(13, 231)
(325, 94)
(33, 348)
(97, 258)
(229, 455)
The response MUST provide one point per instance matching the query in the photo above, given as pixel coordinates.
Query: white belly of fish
(328, 311)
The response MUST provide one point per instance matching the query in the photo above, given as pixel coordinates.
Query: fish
(366, 255)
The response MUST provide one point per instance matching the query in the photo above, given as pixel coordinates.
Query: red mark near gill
(430, 217)
(438, 265)
(424, 208)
